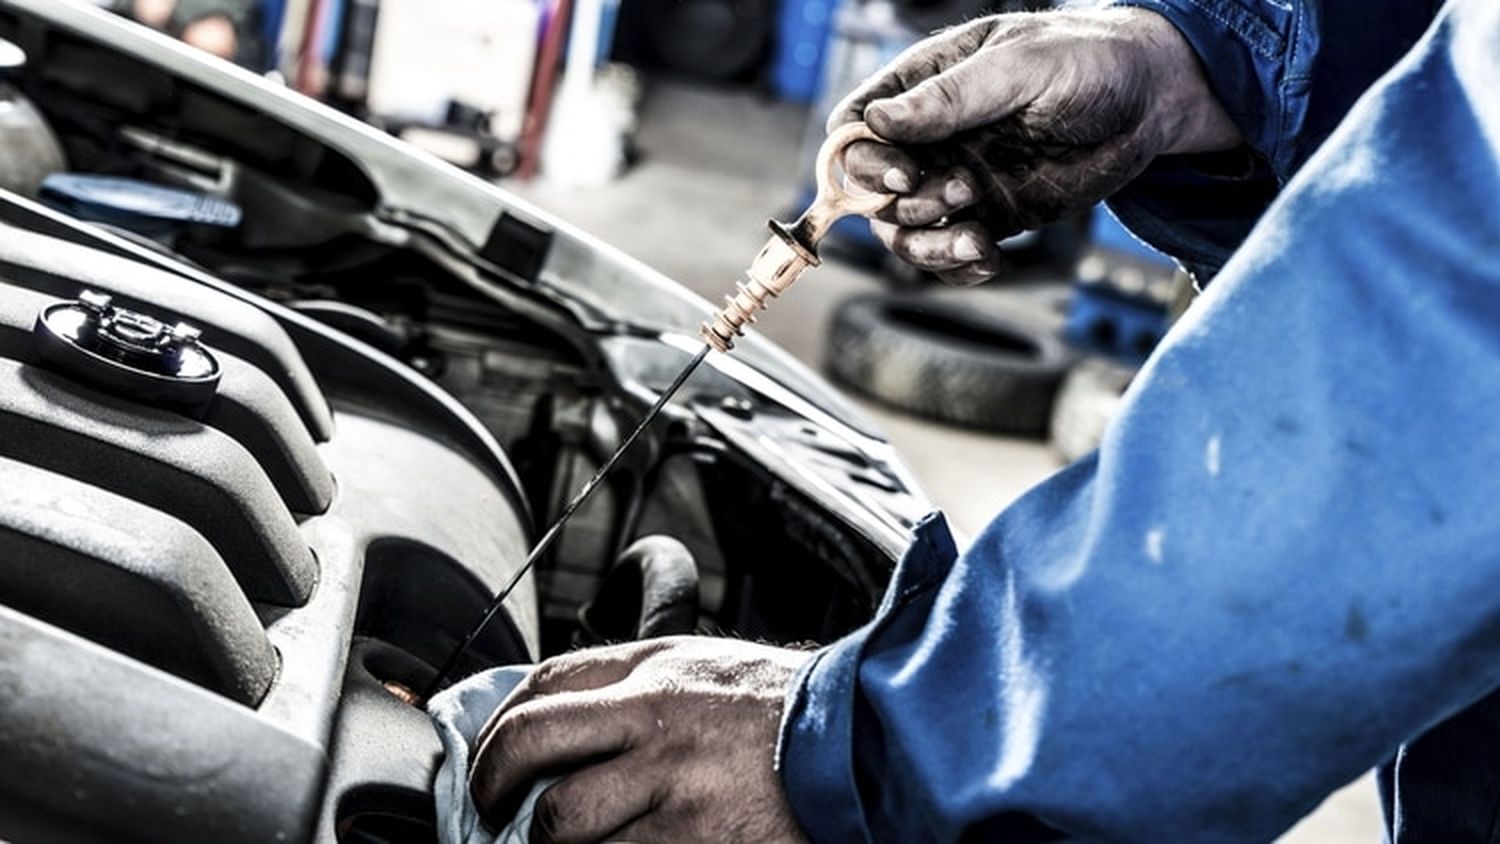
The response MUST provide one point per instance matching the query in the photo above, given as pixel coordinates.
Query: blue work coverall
(1282, 568)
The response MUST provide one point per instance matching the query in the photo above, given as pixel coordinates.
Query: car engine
(184, 586)
(274, 428)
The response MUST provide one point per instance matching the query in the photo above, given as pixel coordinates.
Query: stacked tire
(1089, 398)
(946, 362)
(964, 366)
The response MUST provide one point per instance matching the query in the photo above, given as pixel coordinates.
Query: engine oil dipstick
(793, 249)
(787, 254)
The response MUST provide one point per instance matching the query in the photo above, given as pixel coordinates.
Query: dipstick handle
(792, 249)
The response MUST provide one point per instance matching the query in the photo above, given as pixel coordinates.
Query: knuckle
(914, 252)
(641, 652)
(549, 819)
(970, 36)
(938, 255)
(947, 96)
(922, 250)
(511, 732)
(857, 158)
(543, 680)
(544, 676)
(916, 212)
(902, 246)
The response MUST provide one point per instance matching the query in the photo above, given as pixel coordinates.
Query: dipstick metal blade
(548, 538)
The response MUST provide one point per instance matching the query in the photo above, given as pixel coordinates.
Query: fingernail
(957, 192)
(967, 249)
(896, 110)
(897, 180)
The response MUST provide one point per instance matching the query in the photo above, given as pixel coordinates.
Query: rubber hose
(651, 591)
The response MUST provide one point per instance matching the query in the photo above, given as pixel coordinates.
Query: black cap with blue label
(142, 207)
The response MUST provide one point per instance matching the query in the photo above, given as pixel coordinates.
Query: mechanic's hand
(667, 740)
(1033, 116)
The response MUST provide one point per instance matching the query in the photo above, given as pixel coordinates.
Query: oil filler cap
(127, 352)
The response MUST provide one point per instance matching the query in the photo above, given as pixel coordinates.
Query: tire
(948, 363)
(718, 40)
(903, 277)
(1088, 400)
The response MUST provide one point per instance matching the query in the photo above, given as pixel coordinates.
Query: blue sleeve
(1280, 565)
(1286, 71)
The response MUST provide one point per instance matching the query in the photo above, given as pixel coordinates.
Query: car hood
(604, 288)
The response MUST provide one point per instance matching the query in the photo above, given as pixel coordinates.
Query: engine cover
(200, 600)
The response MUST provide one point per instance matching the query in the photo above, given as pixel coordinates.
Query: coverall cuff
(1197, 208)
(815, 754)
(1244, 49)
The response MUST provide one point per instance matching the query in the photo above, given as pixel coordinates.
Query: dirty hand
(666, 740)
(1035, 116)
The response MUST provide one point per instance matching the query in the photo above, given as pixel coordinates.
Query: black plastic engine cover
(180, 591)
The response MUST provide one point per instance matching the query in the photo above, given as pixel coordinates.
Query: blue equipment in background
(803, 28)
(1122, 295)
(272, 16)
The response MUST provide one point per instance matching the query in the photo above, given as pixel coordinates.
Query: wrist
(1185, 114)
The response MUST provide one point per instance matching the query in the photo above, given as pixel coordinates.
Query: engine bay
(222, 602)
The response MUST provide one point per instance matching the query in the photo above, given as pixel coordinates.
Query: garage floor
(714, 166)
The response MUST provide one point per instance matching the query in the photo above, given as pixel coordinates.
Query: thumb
(974, 92)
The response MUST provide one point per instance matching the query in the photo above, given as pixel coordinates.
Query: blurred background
(672, 129)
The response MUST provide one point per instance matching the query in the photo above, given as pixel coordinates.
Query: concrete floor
(714, 166)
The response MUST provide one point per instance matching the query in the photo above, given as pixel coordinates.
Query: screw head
(96, 303)
(737, 407)
(185, 335)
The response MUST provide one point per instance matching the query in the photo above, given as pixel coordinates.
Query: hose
(651, 591)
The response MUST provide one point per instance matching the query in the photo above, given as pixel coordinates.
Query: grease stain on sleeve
(1356, 627)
